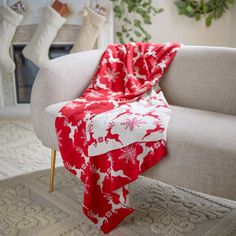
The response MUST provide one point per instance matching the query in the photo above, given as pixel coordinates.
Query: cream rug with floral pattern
(20, 150)
(27, 208)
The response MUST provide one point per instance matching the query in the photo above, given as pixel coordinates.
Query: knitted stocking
(10, 20)
(37, 49)
(89, 31)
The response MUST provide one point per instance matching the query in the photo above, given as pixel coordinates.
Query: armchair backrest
(202, 78)
(199, 77)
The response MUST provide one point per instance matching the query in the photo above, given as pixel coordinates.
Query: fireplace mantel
(66, 35)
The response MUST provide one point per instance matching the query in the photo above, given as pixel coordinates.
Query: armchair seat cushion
(202, 152)
(201, 146)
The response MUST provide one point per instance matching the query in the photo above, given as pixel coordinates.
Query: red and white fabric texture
(117, 128)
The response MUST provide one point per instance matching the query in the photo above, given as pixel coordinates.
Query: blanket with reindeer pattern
(117, 128)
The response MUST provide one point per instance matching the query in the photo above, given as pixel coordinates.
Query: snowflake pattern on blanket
(117, 128)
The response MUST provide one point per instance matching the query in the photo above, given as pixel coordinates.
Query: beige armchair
(200, 84)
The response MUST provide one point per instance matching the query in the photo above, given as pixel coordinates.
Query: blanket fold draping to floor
(117, 128)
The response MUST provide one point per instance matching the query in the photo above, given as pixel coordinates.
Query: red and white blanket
(117, 128)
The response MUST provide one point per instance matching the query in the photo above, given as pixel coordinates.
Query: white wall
(170, 26)
(233, 27)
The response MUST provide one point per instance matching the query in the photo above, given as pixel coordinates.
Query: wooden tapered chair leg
(52, 171)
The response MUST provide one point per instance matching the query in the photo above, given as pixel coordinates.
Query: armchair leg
(52, 171)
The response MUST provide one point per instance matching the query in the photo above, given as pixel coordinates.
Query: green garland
(133, 14)
(211, 9)
(132, 24)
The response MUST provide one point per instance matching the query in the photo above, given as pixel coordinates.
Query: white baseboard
(21, 111)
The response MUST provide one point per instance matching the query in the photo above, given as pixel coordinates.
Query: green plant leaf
(189, 9)
(205, 8)
(209, 21)
(119, 34)
(209, 9)
(197, 17)
(137, 33)
(133, 14)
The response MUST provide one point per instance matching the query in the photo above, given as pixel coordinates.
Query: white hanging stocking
(37, 49)
(10, 21)
(89, 31)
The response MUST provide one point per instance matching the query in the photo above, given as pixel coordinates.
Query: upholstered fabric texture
(202, 153)
(199, 158)
(202, 78)
(27, 208)
(60, 80)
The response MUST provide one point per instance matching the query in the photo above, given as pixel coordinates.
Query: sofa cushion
(202, 150)
(202, 78)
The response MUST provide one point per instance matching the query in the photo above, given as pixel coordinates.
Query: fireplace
(26, 70)
(15, 87)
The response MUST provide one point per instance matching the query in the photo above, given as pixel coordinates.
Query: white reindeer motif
(104, 61)
(136, 50)
(114, 206)
(98, 83)
(142, 155)
(72, 128)
(127, 75)
(86, 158)
(137, 75)
(134, 87)
(162, 65)
(121, 196)
(101, 179)
(154, 147)
(150, 51)
(70, 167)
(112, 59)
(100, 220)
(118, 173)
(122, 48)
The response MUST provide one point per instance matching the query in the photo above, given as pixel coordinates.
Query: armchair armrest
(60, 80)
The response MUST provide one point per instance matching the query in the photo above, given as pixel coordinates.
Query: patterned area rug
(20, 150)
(27, 208)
